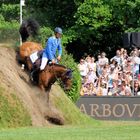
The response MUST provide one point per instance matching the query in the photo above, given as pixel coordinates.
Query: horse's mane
(59, 65)
(68, 72)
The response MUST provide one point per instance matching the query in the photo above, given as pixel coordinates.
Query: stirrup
(31, 76)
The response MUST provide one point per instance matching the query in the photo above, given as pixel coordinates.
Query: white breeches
(43, 61)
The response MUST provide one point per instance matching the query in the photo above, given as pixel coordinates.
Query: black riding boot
(33, 73)
(34, 76)
(31, 76)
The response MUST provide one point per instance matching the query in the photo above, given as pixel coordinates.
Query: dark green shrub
(9, 31)
(10, 11)
(67, 60)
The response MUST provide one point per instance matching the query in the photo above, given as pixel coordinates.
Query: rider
(49, 53)
(53, 44)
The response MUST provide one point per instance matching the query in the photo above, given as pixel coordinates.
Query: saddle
(37, 62)
(34, 75)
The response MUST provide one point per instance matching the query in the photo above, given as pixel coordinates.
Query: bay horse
(52, 72)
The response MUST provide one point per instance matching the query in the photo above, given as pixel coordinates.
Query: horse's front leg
(42, 87)
(45, 95)
(45, 84)
(48, 94)
(46, 91)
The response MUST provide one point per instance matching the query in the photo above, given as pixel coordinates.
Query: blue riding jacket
(53, 44)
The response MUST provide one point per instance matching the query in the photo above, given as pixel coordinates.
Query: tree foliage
(10, 11)
(91, 16)
(9, 2)
(100, 25)
(126, 13)
(54, 12)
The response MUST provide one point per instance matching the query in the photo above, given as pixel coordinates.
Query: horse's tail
(29, 27)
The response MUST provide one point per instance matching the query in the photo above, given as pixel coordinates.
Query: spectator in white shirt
(103, 60)
(82, 68)
(117, 57)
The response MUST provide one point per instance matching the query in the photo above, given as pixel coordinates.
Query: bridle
(52, 68)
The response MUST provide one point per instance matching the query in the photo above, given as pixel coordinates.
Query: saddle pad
(34, 56)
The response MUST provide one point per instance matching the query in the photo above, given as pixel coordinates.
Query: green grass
(12, 112)
(106, 131)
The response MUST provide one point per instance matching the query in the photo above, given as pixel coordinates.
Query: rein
(55, 72)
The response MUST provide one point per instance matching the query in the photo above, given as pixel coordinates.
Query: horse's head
(67, 79)
(53, 72)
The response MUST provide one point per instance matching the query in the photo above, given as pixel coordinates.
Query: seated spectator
(91, 75)
(124, 89)
(128, 78)
(92, 89)
(104, 89)
(119, 78)
(110, 77)
(84, 90)
(114, 90)
(106, 70)
(85, 80)
(99, 88)
(136, 89)
(128, 65)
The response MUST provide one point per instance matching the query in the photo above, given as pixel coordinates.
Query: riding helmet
(58, 30)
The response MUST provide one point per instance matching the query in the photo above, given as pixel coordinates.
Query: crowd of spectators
(118, 76)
